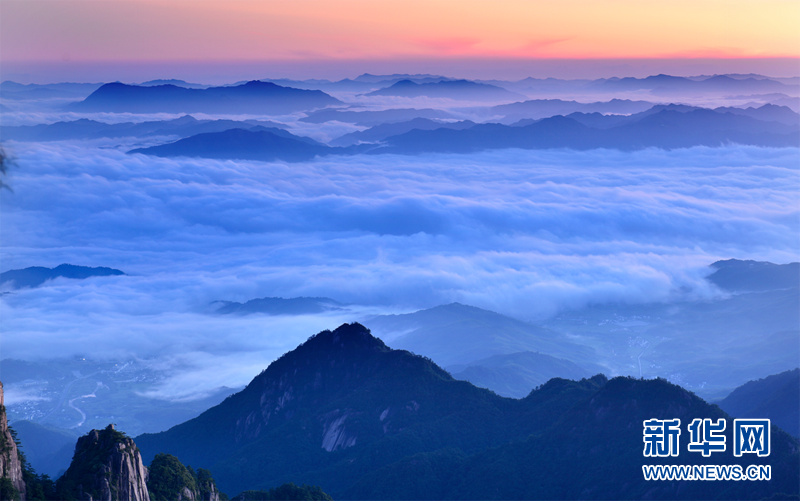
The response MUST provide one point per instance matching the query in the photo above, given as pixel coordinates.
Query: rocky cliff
(107, 466)
(10, 464)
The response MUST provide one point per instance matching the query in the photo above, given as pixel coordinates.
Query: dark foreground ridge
(362, 421)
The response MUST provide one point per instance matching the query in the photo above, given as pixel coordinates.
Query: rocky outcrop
(10, 463)
(206, 486)
(107, 466)
(170, 480)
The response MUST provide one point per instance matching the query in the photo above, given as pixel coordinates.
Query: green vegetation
(286, 492)
(169, 477)
(5, 163)
(7, 490)
(38, 487)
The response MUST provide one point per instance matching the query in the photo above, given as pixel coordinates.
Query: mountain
(450, 89)
(371, 118)
(543, 108)
(460, 334)
(17, 91)
(338, 406)
(37, 275)
(754, 276)
(12, 483)
(382, 131)
(84, 128)
(666, 129)
(396, 77)
(516, 374)
(280, 306)
(48, 449)
(592, 451)
(265, 144)
(767, 113)
(776, 398)
(362, 421)
(173, 81)
(253, 97)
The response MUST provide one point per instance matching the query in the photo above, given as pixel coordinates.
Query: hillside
(363, 421)
(754, 276)
(775, 397)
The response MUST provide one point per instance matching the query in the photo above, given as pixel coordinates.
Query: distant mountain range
(363, 421)
(517, 374)
(543, 108)
(83, 128)
(667, 84)
(176, 82)
(17, 91)
(37, 275)
(459, 334)
(660, 127)
(774, 397)
(381, 132)
(264, 144)
(279, 306)
(450, 89)
(371, 118)
(253, 97)
(666, 129)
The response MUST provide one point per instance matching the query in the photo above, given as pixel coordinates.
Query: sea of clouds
(524, 233)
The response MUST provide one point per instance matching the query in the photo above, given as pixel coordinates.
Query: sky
(524, 233)
(45, 40)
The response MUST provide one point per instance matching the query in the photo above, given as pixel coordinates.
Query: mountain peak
(346, 337)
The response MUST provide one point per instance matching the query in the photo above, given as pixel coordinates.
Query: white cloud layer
(520, 232)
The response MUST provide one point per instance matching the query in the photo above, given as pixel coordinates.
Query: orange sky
(160, 30)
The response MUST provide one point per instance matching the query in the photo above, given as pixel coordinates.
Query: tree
(5, 163)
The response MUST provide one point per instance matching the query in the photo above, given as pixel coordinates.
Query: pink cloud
(449, 45)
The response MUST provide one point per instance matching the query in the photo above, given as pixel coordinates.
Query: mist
(524, 233)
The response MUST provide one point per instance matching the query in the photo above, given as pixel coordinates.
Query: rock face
(10, 464)
(107, 466)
